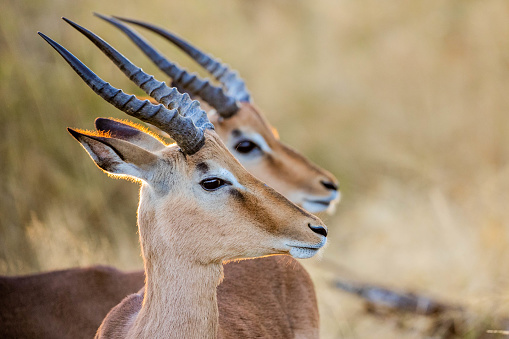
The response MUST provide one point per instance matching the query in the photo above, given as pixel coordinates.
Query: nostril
(318, 229)
(329, 185)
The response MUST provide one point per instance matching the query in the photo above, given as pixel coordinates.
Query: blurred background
(406, 102)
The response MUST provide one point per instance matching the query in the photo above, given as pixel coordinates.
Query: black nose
(329, 185)
(318, 229)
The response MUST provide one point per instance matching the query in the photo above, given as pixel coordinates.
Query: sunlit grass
(405, 101)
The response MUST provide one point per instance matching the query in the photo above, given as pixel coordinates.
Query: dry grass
(405, 101)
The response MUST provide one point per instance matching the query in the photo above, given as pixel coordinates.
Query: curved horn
(225, 105)
(185, 122)
(231, 80)
(168, 96)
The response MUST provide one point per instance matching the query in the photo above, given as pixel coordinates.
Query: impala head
(194, 194)
(241, 126)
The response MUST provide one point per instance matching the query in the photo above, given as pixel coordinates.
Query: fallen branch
(395, 300)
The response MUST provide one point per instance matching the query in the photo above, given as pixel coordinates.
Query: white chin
(316, 207)
(313, 207)
(302, 253)
(327, 205)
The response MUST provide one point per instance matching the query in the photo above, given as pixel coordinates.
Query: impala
(72, 303)
(198, 208)
(241, 126)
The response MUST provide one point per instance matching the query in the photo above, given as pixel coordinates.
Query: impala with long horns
(198, 208)
(240, 124)
(72, 303)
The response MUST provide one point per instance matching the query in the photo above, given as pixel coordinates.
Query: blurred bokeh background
(406, 102)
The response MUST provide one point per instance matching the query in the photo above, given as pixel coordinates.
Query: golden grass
(405, 101)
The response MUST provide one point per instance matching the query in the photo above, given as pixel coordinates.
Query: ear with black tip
(124, 131)
(117, 156)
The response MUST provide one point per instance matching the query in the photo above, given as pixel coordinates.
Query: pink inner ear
(103, 155)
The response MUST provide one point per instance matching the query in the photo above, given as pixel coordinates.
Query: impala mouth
(304, 251)
(322, 204)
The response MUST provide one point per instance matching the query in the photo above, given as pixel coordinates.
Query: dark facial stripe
(236, 133)
(237, 195)
(202, 167)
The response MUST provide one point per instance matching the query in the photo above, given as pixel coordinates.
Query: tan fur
(186, 232)
(279, 302)
(289, 279)
(287, 171)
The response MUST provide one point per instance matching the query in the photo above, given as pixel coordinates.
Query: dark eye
(246, 146)
(212, 184)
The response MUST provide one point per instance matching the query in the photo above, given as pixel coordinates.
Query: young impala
(76, 300)
(198, 208)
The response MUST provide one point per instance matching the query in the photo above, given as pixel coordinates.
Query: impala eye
(212, 184)
(246, 146)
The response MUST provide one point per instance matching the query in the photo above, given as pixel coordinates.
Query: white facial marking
(260, 141)
(320, 204)
(254, 137)
(303, 250)
(224, 174)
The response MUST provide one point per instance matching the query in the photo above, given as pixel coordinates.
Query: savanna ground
(406, 102)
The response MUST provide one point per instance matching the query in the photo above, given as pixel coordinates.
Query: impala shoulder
(121, 317)
(300, 299)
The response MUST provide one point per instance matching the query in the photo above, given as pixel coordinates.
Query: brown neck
(180, 298)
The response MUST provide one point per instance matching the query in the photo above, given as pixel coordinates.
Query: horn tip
(70, 22)
(47, 38)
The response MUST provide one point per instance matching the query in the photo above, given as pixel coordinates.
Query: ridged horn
(191, 83)
(230, 79)
(185, 122)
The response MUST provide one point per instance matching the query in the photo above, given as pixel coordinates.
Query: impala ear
(135, 134)
(117, 156)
